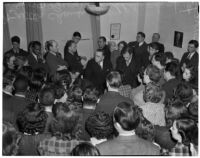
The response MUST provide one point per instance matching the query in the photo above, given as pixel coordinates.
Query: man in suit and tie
(97, 70)
(16, 47)
(128, 67)
(140, 50)
(53, 61)
(35, 59)
(102, 45)
(126, 118)
(190, 57)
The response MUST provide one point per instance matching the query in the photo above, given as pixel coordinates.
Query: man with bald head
(156, 38)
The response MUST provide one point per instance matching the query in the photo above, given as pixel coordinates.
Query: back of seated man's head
(153, 74)
(75, 94)
(159, 60)
(173, 69)
(99, 125)
(126, 117)
(20, 84)
(90, 97)
(113, 80)
(65, 125)
(47, 97)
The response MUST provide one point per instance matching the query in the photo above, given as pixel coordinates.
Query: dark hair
(195, 42)
(101, 50)
(20, 84)
(154, 73)
(49, 44)
(122, 42)
(193, 72)
(174, 109)
(10, 139)
(128, 49)
(99, 125)
(67, 45)
(65, 126)
(90, 96)
(64, 77)
(77, 34)
(83, 83)
(153, 93)
(173, 68)
(114, 79)
(6, 58)
(75, 94)
(183, 92)
(85, 149)
(26, 71)
(59, 108)
(186, 128)
(47, 96)
(169, 55)
(146, 130)
(15, 39)
(154, 45)
(32, 119)
(142, 34)
(103, 38)
(59, 91)
(160, 57)
(36, 43)
(127, 115)
(193, 110)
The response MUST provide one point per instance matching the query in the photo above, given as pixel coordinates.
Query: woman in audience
(31, 122)
(85, 149)
(190, 76)
(9, 65)
(10, 139)
(100, 127)
(182, 131)
(121, 45)
(65, 134)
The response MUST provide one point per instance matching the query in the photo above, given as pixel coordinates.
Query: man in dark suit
(53, 61)
(156, 38)
(126, 118)
(35, 59)
(140, 50)
(17, 102)
(191, 57)
(128, 67)
(102, 46)
(112, 98)
(97, 70)
(16, 47)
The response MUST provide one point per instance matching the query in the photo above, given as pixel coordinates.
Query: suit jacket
(21, 52)
(35, 63)
(141, 53)
(13, 106)
(110, 100)
(96, 74)
(107, 53)
(53, 61)
(128, 73)
(73, 61)
(161, 47)
(128, 145)
(194, 60)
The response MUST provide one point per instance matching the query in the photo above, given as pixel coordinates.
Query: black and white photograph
(100, 78)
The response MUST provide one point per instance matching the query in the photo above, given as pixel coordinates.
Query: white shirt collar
(190, 55)
(94, 141)
(7, 93)
(20, 95)
(131, 133)
(101, 64)
(141, 43)
(35, 56)
(48, 108)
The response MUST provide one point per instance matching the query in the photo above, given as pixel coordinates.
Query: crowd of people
(129, 99)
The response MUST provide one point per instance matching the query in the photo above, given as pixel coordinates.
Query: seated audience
(65, 134)
(46, 100)
(126, 119)
(85, 149)
(31, 122)
(10, 139)
(171, 76)
(110, 99)
(90, 98)
(182, 131)
(100, 127)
